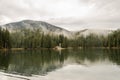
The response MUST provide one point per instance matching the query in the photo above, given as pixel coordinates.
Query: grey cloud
(20, 8)
(65, 13)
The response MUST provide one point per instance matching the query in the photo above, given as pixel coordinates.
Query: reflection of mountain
(43, 61)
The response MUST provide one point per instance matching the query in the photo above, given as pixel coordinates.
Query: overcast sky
(68, 14)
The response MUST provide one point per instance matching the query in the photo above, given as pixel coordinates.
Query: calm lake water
(89, 64)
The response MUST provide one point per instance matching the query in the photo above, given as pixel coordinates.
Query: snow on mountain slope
(51, 29)
(30, 24)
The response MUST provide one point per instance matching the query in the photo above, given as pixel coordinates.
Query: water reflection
(40, 62)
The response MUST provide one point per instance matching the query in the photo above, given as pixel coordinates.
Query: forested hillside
(38, 39)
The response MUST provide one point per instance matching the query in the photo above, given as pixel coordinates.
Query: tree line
(5, 41)
(36, 38)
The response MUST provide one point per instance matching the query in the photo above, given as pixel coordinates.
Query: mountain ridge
(31, 24)
(49, 28)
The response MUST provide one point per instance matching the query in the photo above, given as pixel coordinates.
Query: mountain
(51, 29)
(98, 32)
(30, 24)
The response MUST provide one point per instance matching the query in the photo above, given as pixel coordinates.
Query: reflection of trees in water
(90, 55)
(114, 56)
(34, 61)
(42, 61)
(95, 55)
(4, 60)
(31, 61)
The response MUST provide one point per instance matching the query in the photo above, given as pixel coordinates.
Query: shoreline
(5, 49)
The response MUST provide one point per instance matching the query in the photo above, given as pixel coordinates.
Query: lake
(71, 64)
